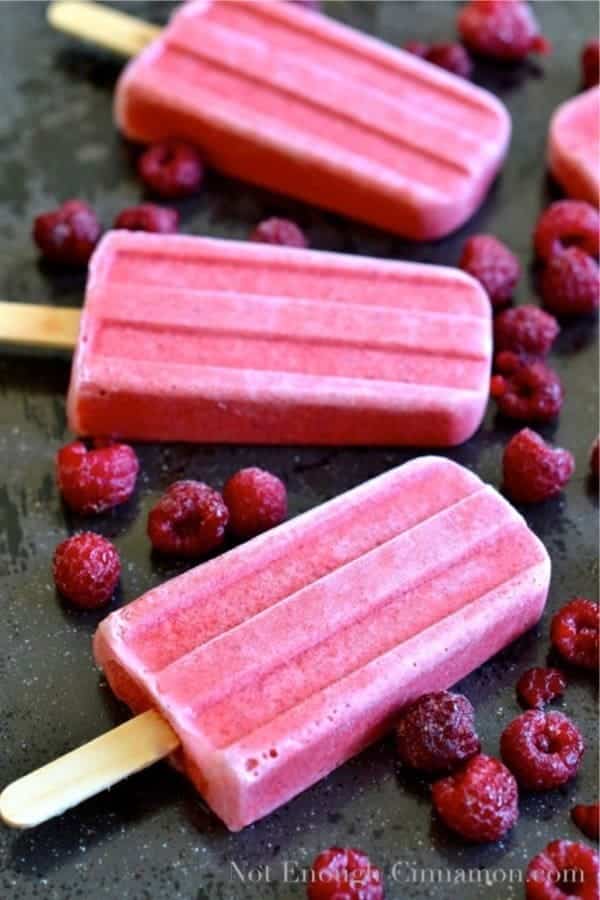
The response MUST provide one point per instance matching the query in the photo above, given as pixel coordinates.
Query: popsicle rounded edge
(575, 180)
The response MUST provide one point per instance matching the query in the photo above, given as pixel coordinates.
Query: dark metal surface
(151, 837)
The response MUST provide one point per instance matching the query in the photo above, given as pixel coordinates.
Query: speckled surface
(151, 837)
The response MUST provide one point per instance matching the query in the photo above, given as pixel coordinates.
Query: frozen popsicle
(574, 146)
(281, 659)
(306, 106)
(276, 662)
(196, 339)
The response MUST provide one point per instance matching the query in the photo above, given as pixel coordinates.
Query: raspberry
(534, 471)
(437, 733)
(543, 750)
(539, 686)
(570, 284)
(67, 235)
(344, 874)
(171, 169)
(574, 632)
(256, 500)
(564, 869)
(567, 223)
(503, 29)
(595, 459)
(452, 57)
(189, 520)
(507, 363)
(525, 330)
(92, 481)
(491, 262)
(86, 569)
(480, 802)
(587, 819)
(148, 217)
(532, 392)
(590, 63)
(279, 231)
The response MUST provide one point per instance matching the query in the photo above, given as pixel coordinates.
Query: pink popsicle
(196, 339)
(308, 107)
(281, 659)
(574, 146)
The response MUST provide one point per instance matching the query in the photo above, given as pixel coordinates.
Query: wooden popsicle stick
(102, 25)
(84, 772)
(24, 324)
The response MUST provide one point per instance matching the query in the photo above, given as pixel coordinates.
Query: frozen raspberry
(437, 733)
(171, 169)
(417, 48)
(92, 481)
(256, 500)
(567, 223)
(575, 632)
(86, 569)
(590, 63)
(587, 819)
(539, 686)
(531, 393)
(542, 749)
(491, 262)
(148, 217)
(189, 520)
(525, 330)
(595, 459)
(452, 57)
(506, 362)
(534, 471)
(503, 29)
(564, 869)
(344, 874)
(480, 802)
(279, 231)
(570, 284)
(68, 235)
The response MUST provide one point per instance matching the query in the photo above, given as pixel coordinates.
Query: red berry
(502, 29)
(256, 500)
(171, 169)
(279, 231)
(587, 818)
(506, 362)
(564, 869)
(542, 749)
(452, 57)
(539, 686)
(86, 569)
(595, 459)
(344, 874)
(534, 471)
(417, 48)
(491, 262)
(575, 632)
(525, 330)
(437, 733)
(189, 520)
(570, 284)
(480, 802)
(531, 393)
(590, 63)
(92, 481)
(148, 217)
(567, 223)
(68, 235)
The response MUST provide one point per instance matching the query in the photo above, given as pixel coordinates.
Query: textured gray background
(152, 837)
